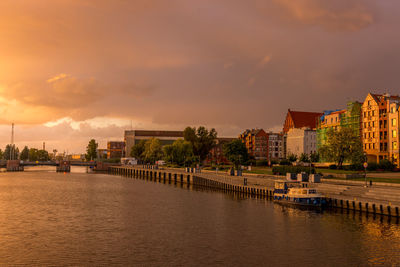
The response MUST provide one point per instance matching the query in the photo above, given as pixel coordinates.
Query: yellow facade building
(375, 126)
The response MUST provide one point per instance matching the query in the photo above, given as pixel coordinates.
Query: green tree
(43, 155)
(33, 154)
(314, 157)
(180, 153)
(153, 150)
(343, 145)
(304, 158)
(91, 150)
(236, 152)
(138, 150)
(24, 154)
(202, 140)
(292, 157)
(11, 152)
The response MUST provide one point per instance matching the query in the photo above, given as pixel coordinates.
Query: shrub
(386, 165)
(274, 161)
(372, 166)
(333, 167)
(285, 162)
(356, 167)
(260, 163)
(251, 162)
(282, 170)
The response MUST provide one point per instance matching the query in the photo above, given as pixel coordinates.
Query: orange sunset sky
(71, 70)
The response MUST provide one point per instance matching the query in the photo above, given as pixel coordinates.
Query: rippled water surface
(49, 218)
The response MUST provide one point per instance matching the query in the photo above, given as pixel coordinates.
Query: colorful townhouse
(380, 127)
(256, 141)
(336, 119)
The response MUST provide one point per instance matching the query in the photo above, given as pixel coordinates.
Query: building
(336, 119)
(301, 119)
(375, 126)
(216, 154)
(115, 149)
(256, 141)
(133, 137)
(393, 142)
(275, 146)
(101, 153)
(299, 141)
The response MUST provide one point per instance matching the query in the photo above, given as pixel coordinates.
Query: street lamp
(365, 168)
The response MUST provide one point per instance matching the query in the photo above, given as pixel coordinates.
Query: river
(49, 218)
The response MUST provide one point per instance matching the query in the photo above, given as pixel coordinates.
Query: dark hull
(299, 205)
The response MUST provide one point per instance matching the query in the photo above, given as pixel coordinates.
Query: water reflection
(49, 218)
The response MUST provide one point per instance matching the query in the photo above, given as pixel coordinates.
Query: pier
(383, 200)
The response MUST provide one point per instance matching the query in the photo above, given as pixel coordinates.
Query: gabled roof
(377, 97)
(304, 119)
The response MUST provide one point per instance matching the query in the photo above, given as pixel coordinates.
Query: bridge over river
(64, 166)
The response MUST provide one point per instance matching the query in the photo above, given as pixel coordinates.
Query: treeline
(191, 150)
(30, 154)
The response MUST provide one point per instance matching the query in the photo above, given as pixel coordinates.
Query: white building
(300, 141)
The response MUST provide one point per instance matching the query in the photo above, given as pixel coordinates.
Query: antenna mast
(12, 142)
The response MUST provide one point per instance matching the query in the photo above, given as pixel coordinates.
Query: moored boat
(297, 193)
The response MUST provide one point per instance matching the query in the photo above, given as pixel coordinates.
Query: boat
(297, 193)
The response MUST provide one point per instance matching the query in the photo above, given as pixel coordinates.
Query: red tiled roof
(305, 119)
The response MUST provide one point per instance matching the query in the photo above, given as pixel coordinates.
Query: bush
(386, 165)
(372, 166)
(285, 162)
(274, 161)
(251, 162)
(333, 167)
(282, 170)
(355, 167)
(260, 163)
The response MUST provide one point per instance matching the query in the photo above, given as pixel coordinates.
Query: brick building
(216, 154)
(256, 141)
(301, 119)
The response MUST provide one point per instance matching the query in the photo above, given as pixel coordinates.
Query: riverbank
(377, 199)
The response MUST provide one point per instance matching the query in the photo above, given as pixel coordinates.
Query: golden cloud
(338, 15)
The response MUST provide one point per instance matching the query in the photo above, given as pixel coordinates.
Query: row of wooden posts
(195, 179)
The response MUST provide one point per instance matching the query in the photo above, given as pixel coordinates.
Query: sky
(72, 70)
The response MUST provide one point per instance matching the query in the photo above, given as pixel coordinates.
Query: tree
(33, 154)
(342, 145)
(138, 150)
(314, 157)
(180, 152)
(11, 152)
(1, 154)
(91, 150)
(24, 153)
(153, 150)
(236, 152)
(43, 155)
(304, 158)
(202, 140)
(292, 157)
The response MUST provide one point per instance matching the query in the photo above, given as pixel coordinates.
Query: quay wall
(254, 188)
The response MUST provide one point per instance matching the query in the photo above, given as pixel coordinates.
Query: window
(394, 145)
(373, 113)
(394, 122)
(394, 133)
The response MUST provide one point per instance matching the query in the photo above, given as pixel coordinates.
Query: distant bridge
(3, 163)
